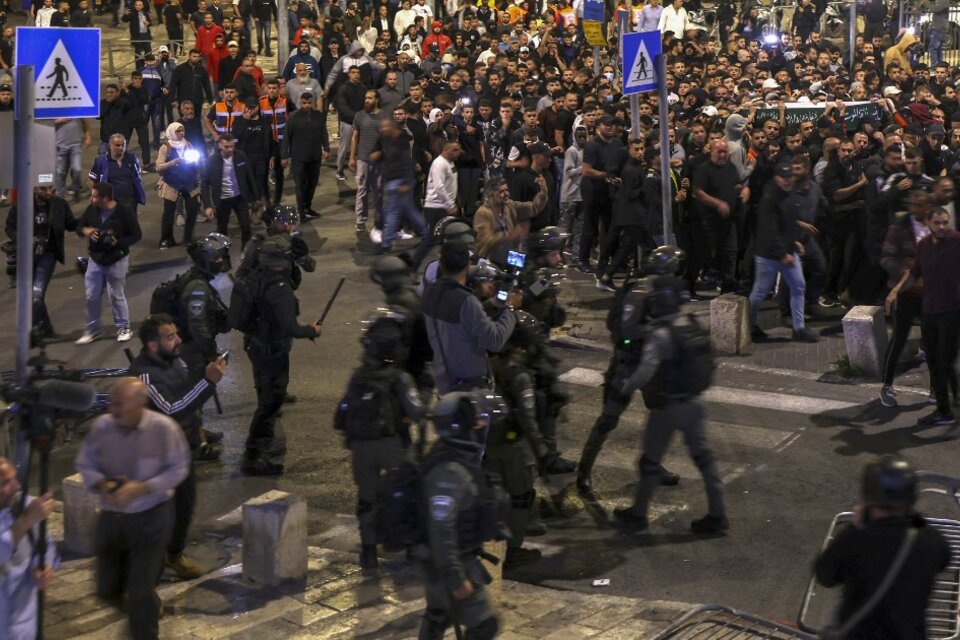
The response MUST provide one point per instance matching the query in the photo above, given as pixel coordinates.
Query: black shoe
(213, 437)
(710, 524)
(311, 214)
(585, 267)
(518, 556)
(629, 519)
(268, 53)
(558, 465)
(260, 467)
(166, 244)
(368, 557)
(757, 334)
(937, 419)
(290, 399)
(669, 478)
(804, 335)
(207, 452)
(536, 528)
(585, 485)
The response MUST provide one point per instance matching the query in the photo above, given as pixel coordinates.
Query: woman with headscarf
(178, 164)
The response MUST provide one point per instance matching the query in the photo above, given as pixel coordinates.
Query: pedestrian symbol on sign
(641, 69)
(59, 76)
(62, 75)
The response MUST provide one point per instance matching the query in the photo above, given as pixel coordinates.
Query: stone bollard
(274, 538)
(496, 548)
(80, 513)
(730, 324)
(865, 335)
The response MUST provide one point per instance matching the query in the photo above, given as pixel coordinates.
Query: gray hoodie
(347, 61)
(738, 153)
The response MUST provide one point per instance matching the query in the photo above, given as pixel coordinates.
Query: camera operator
(111, 229)
(173, 393)
(52, 217)
(460, 332)
(134, 458)
(19, 575)
(886, 524)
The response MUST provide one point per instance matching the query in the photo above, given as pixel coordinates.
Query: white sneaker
(124, 335)
(376, 235)
(407, 236)
(89, 336)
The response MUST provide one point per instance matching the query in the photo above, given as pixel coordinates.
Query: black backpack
(368, 410)
(401, 516)
(694, 358)
(166, 298)
(243, 313)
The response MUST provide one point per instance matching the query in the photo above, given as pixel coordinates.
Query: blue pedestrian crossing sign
(640, 53)
(66, 67)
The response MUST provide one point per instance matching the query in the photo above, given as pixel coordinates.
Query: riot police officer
(464, 509)
(627, 323)
(675, 367)
(283, 220)
(375, 416)
(450, 229)
(393, 274)
(268, 347)
(203, 313)
(515, 444)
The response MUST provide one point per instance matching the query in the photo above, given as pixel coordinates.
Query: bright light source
(771, 38)
(191, 155)
(910, 30)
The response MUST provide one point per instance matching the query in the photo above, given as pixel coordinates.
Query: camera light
(771, 38)
(191, 155)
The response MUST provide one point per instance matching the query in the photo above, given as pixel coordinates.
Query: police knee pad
(523, 500)
(703, 459)
(364, 507)
(486, 630)
(649, 468)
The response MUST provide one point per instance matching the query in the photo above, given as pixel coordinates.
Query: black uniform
(204, 315)
(417, 354)
(269, 351)
(254, 138)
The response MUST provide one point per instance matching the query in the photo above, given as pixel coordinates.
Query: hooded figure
(355, 56)
(738, 152)
(438, 37)
(900, 53)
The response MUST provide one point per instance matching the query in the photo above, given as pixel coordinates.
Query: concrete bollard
(730, 324)
(274, 538)
(80, 513)
(497, 548)
(865, 336)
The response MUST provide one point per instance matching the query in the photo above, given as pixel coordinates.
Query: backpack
(694, 358)
(368, 410)
(243, 313)
(401, 516)
(166, 298)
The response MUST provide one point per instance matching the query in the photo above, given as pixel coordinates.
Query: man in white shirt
(674, 18)
(441, 199)
(423, 11)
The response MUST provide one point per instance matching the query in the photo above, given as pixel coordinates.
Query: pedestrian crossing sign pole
(640, 53)
(66, 65)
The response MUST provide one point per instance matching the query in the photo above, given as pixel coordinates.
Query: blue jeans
(263, 34)
(764, 279)
(114, 278)
(43, 266)
(399, 208)
(68, 159)
(937, 40)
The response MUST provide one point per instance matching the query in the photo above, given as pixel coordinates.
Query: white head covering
(175, 144)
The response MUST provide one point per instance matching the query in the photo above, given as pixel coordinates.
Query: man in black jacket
(263, 12)
(191, 82)
(254, 139)
(305, 144)
(110, 229)
(51, 218)
(230, 185)
(268, 348)
(135, 102)
(348, 100)
(777, 250)
(140, 37)
(173, 393)
(111, 115)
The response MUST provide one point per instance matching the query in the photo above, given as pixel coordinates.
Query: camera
(516, 259)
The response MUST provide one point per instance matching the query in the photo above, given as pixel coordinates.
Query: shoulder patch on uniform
(628, 310)
(529, 400)
(197, 307)
(413, 397)
(441, 507)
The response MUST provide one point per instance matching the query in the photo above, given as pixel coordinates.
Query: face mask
(608, 98)
(608, 76)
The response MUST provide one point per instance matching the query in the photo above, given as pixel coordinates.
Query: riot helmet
(669, 293)
(889, 481)
(462, 418)
(390, 272)
(545, 242)
(664, 261)
(382, 337)
(454, 229)
(211, 254)
(282, 218)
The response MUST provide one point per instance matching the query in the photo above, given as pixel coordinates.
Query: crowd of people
(496, 131)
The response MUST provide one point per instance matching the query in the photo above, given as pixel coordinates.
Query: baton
(332, 299)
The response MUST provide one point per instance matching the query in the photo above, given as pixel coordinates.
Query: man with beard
(171, 392)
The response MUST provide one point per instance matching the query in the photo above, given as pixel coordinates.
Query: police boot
(587, 459)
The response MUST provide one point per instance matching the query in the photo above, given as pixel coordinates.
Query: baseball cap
(936, 129)
(891, 91)
(6, 87)
(710, 111)
(770, 83)
(540, 147)
(784, 170)
(250, 102)
(163, 49)
(233, 43)
(524, 49)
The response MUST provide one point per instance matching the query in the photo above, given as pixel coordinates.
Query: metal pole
(853, 34)
(666, 190)
(23, 178)
(596, 62)
(283, 36)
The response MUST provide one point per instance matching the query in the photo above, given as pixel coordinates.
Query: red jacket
(206, 38)
(440, 39)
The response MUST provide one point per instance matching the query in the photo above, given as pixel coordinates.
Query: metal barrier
(716, 622)
(914, 18)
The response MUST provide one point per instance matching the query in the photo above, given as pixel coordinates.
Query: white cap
(163, 49)
(770, 83)
(710, 111)
(891, 91)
